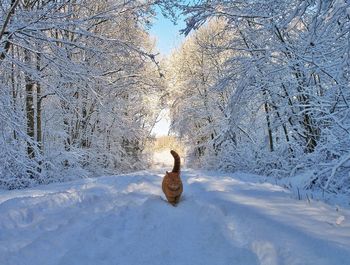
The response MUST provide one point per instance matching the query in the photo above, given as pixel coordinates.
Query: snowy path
(122, 220)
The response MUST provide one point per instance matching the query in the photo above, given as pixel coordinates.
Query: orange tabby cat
(172, 184)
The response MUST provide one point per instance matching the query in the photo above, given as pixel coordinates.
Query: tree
(198, 111)
(287, 82)
(77, 79)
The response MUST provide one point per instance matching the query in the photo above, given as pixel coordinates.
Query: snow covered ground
(162, 159)
(123, 220)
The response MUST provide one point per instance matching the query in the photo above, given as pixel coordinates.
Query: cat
(172, 184)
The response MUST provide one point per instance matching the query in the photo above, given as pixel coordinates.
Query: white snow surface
(124, 220)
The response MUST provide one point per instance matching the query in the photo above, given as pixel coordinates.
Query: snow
(221, 219)
(162, 159)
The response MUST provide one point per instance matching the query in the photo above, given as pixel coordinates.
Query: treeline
(167, 143)
(263, 86)
(80, 88)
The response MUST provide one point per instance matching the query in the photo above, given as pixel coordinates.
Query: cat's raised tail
(176, 167)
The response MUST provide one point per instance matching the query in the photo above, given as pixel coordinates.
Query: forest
(258, 86)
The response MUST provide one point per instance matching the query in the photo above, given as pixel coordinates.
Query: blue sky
(162, 127)
(166, 33)
(168, 37)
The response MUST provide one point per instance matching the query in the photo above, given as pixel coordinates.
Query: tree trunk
(269, 130)
(39, 98)
(7, 20)
(14, 91)
(29, 107)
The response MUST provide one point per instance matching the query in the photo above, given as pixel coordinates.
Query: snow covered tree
(287, 79)
(80, 88)
(198, 112)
